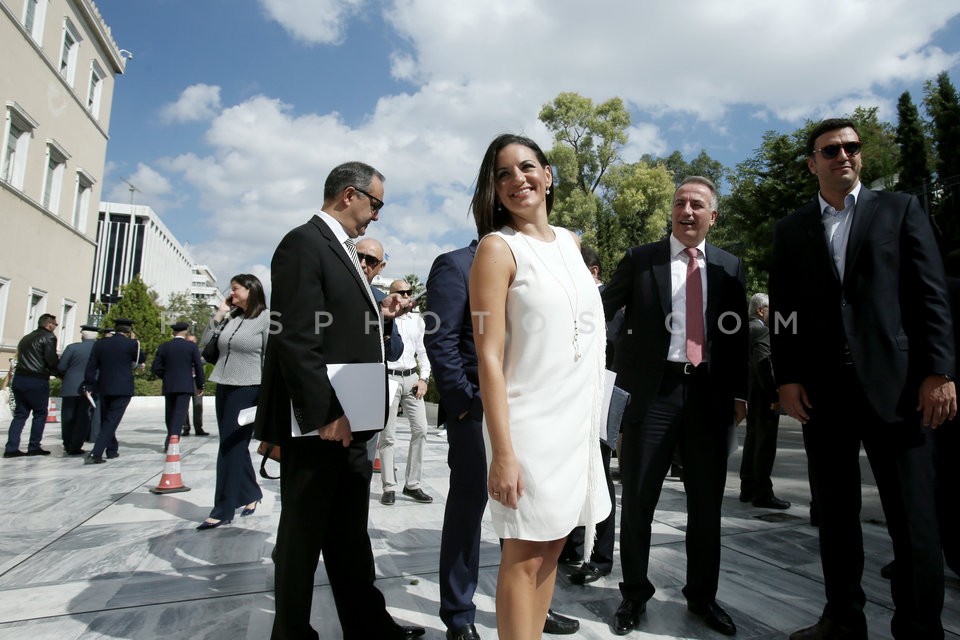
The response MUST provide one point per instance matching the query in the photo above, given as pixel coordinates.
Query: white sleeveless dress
(553, 396)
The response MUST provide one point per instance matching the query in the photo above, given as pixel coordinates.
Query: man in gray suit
(76, 411)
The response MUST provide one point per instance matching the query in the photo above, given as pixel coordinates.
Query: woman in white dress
(540, 336)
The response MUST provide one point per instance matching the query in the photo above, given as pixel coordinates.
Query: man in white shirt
(413, 386)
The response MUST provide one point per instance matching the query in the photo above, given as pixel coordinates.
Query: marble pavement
(88, 552)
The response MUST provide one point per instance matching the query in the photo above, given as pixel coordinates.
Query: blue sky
(232, 112)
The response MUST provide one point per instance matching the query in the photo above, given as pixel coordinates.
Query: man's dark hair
(486, 207)
(591, 259)
(830, 124)
(349, 174)
(45, 319)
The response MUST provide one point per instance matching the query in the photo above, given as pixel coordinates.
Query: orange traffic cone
(170, 481)
(53, 408)
(376, 464)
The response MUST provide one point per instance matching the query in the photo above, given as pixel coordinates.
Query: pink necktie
(694, 309)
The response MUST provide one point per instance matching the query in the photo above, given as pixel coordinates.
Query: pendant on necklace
(576, 342)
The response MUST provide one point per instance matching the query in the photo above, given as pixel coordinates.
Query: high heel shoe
(249, 511)
(206, 524)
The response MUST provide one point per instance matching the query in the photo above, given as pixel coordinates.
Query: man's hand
(938, 400)
(419, 389)
(794, 400)
(395, 305)
(739, 411)
(339, 429)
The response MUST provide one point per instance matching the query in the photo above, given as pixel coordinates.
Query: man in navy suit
(453, 358)
(178, 364)
(327, 315)
(863, 350)
(110, 372)
(682, 356)
(76, 412)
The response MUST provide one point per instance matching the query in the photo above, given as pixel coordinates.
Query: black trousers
(602, 555)
(325, 491)
(176, 406)
(236, 480)
(680, 414)
(759, 450)
(32, 394)
(462, 516)
(112, 409)
(197, 415)
(901, 458)
(75, 416)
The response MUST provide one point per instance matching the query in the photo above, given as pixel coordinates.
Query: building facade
(132, 240)
(205, 287)
(56, 90)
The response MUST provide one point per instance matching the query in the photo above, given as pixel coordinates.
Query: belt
(402, 372)
(685, 368)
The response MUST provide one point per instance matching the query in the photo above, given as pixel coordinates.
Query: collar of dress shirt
(855, 193)
(677, 247)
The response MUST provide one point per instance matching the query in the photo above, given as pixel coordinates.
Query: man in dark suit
(682, 356)
(763, 417)
(197, 402)
(453, 359)
(110, 372)
(76, 412)
(327, 315)
(863, 351)
(178, 364)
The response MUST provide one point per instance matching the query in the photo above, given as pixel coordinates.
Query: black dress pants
(901, 458)
(176, 406)
(75, 416)
(759, 450)
(602, 556)
(680, 414)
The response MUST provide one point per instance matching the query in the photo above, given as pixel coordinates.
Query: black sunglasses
(373, 261)
(375, 203)
(404, 292)
(831, 151)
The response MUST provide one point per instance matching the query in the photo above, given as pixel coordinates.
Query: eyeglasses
(831, 151)
(372, 261)
(404, 292)
(375, 203)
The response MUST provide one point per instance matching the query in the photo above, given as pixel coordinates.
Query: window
(81, 201)
(96, 88)
(17, 133)
(36, 307)
(33, 14)
(53, 178)
(68, 316)
(68, 52)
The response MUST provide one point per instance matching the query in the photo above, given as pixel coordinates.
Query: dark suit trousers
(112, 410)
(197, 414)
(176, 406)
(602, 555)
(32, 394)
(75, 415)
(325, 492)
(759, 451)
(236, 480)
(466, 500)
(947, 439)
(840, 420)
(678, 415)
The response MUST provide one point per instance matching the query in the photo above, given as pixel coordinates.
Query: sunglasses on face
(375, 203)
(404, 292)
(372, 261)
(831, 151)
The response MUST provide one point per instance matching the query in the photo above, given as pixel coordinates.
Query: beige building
(56, 88)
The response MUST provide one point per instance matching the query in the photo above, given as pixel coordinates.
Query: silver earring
(548, 190)
(499, 206)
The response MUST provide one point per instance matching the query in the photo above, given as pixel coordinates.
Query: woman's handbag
(269, 451)
(211, 350)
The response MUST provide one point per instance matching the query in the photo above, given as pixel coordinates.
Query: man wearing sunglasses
(864, 354)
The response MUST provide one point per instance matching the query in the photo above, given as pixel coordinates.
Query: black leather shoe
(112, 456)
(828, 629)
(886, 572)
(92, 459)
(417, 494)
(715, 617)
(249, 511)
(206, 524)
(559, 625)
(772, 502)
(569, 558)
(73, 452)
(14, 454)
(37, 452)
(587, 573)
(746, 496)
(388, 497)
(627, 617)
(466, 632)
(411, 632)
(201, 432)
(185, 433)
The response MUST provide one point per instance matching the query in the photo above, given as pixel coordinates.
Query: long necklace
(574, 302)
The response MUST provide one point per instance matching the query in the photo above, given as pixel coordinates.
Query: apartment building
(56, 89)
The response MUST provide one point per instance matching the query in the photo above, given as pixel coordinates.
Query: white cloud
(196, 102)
(146, 185)
(313, 21)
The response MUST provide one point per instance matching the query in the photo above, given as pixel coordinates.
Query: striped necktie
(352, 250)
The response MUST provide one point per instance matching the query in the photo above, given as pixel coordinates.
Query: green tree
(943, 107)
(183, 307)
(137, 304)
(881, 155)
(914, 161)
(702, 165)
(636, 208)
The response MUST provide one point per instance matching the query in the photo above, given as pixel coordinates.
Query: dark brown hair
(487, 210)
(830, 124)
(256, 301)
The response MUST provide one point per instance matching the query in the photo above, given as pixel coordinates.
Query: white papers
(86, 394)
(246, 416)
(362, 392)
